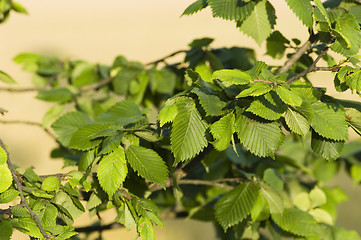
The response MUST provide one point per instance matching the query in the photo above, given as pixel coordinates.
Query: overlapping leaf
(288, 96)
(236, 10)
(222, 131)
(327, 148)
(230, 77)
(353, 118)
(211, 104)
(255, 89)
(83, 138)
(303, 10)
(296, 122)
(268, 106)
(195, 7)
(274, 199)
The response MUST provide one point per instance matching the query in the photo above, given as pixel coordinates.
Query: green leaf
(123, 113)
(274, 199)
(288, 96)
(148, 135)
(317, 197)
(82, 139)
(296, 221)
(68, 124)
(303, 10)
(112, 171)
(145, 229)
(222, 131)
(84, 74)
(233, 207)
(236, 10)
(167, 114)
(272, 177)
(17, 7)
(55, 95)
(27, 226)
(50, 184)
(195, 7)
(353, 118)
(268, 106)
(86, 160)
(148, 164)
(296, 122)
(356, 12)
(52, 114)
(260, 138)
(94, 201)
(323, 11)
(256, 89)
(65, 204)
(276, 45)
(6, 230)
(6, 178)
(201, 42)
(3, 156)
(327, 148)
(6, 78)
(260, 23)
(48, 216)
(211, 104)
(8, 196)
(110, 143)
(188, 132)
(328, 122)
(230, 77)
(162, 81)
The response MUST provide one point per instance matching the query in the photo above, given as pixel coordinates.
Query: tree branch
(310, 68)
(96, 85)
(98, 228)
(19, 90)
(164, 58)
(22, 197)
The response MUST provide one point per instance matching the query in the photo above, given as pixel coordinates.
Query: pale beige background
(97, 31)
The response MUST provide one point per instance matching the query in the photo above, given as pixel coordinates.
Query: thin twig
(22, 197)
(164, 58)
(310, 68)
(204, 183)
(19, 90)
(98, 228)
(96, 85)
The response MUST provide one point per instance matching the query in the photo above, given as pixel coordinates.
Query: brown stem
(164, 58)
(19, 90)
(22, 197)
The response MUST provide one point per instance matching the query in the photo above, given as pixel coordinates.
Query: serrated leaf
(353, 118)
(233, 207)
(48, 216)
(303, 10)
(230, 77)
(93, 201)
(268, 106)
(260, 138)
(256, 89)
(260, 210)
(3, 156)
(211, 104)
(148, 135)
(296, 122)
(6, 230)
(82, 139)
(50, 184)
(302, 201)
(288, 96)
(148, 164)
(6, 178)
(52, 114)
(260, 23)
(6, 78)
(146, 229)
(27, 226)
(297, 222)
(110, 143)
(167, 114)
(323, 11)
(222, 131)
(274, 199)
(112, 171)
(327, 148)
(328, 122)
(195, 7)
(188, 131)
(8, 196)
(68, 124)
(55, 95)
(123, 113)
(236, 10)
(65, 204)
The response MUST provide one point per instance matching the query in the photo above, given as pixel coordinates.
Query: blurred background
(142, 30)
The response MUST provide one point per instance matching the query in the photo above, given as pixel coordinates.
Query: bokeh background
(142, 30)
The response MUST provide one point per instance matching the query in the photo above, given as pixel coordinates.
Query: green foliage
(255, 144)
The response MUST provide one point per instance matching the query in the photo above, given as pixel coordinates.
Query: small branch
(19, 90)
(164, 58)
(310, 68)
(19, 187)
(98, 228)
(96, 85)
(204, 183)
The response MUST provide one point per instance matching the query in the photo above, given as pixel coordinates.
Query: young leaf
(112, 171)
(296, 122)
(6, 178)
(188, 132)
(167, 114)
(288, 96)
(8, 196)
(6, 78)
(233, 207)
(231, 9)
(230, 77)
(260, 23)
(327, 148)
(268, 106)
(211, 104)
(195, 7)
(261, 139)
(50, 184)
(148, 164)
(146, 229)
(222, 131)
(82, 139)
(256, 89)
(303, 10)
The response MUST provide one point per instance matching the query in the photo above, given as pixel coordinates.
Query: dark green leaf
(55, 95)
(195, 7)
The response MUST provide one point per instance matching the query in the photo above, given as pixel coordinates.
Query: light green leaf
(148, 135)
(195, 7)
(6, 78)
(327, 148)
(222, 131)
(65, 204)
(86, 160)
(237, 10)
(260, 23)
(260, 210)
(5, 178)
(288, 96)
(68, 124)
(93, 201)
(317, 197)
(261, 139)
(82, 139)
(110, 143)
(167, 114)
(328, 122)
(148, 164)
(297, 222)
(52, 114)
(353, 118)
(211, 104)
(268, 106)
(55, 95)
(50, 184)
(321, 216)
(296, 122)
(17, 7)
(272, 177)
(323, 11)
(123, 113)
(233, 207)
(6, 230)
(3, 156)
(27, 226)
(355, 174)
(125, 217)
(303, 10)
(112, 171)
(256, 89)
(145, 229)
(274, 199)
(356, 12)
(8, 196)
(188, 132)
(84, 74)
(48, 216)
(230, 77)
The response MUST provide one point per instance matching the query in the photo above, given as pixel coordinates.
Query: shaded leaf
(211, 104)
(222, 131)
(296, 122)
(303, 10)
